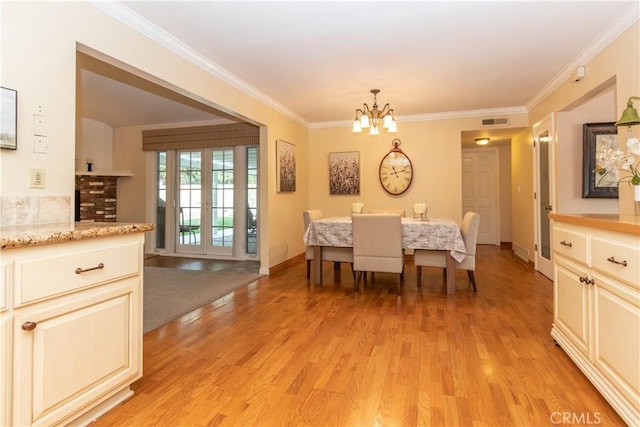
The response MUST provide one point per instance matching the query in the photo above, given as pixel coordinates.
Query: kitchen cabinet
(597, 309)
(74, 327)
(5, 351)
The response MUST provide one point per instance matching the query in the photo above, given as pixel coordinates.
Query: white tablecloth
(434, 233)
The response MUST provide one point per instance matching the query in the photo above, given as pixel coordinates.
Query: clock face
(396, 172)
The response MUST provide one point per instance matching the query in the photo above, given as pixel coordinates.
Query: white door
(480, 191)
(543, 194)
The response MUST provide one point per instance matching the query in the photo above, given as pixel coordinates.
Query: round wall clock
(396, 171)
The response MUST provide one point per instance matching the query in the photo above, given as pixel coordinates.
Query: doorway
(207, 202)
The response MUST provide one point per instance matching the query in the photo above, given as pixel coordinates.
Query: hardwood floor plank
(285, 352)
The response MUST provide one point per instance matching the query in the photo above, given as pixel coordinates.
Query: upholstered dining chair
(388, 211)
(377, 246)
(333, 254)
(432, 258)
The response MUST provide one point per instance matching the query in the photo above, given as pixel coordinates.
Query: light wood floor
(285, 353)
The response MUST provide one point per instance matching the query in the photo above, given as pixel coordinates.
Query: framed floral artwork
(285, 166)
(598, 182)
(344, 172)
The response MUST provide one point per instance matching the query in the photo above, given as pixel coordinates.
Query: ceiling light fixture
(482, 141)
(370, 117)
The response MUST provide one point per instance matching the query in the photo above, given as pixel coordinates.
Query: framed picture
(285, 166)
(596, 182)
(8, 118)
(344, 173)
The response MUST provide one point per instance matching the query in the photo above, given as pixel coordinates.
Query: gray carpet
(170, 293)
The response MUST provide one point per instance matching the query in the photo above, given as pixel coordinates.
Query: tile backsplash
(32, 210)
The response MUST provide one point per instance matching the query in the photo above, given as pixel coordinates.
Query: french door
(214, 201)
(544, 195)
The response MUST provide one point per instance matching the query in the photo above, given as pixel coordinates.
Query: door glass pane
(252, 200)
(189, 208)
(545, 206)
(161, 198)
(222, 198)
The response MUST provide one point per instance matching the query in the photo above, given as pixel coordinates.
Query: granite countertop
(628, 224)
(46, 234)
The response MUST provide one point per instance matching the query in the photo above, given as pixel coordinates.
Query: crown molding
(484, 113)
(143, 26)
(626, 20)
(135, 21)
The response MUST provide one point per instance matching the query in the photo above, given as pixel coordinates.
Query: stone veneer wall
(98, 197)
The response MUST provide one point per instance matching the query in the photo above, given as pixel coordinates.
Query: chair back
(377, 243)
(357, 207)
(311, 215)
(469, 230)
(388, 211)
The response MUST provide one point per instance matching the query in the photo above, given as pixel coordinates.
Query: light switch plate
(40, 145)
(39, 125)
(36, 178)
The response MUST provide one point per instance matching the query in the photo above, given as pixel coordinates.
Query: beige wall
(522, 190)
(39, 61)
(505, 193)
(434, 148)
(599, 109)
(619, 62)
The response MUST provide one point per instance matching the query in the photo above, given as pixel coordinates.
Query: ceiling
(316, 61)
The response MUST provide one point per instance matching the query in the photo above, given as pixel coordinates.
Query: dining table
(429, 233)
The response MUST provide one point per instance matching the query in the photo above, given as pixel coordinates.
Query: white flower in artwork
(610, 159)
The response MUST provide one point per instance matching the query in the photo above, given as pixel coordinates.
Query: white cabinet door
(571, 311)
(72, 350)
(5, 370)
(616, 338)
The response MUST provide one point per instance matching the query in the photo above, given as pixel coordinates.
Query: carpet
(170, 293)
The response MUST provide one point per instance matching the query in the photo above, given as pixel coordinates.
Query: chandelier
(370, 118)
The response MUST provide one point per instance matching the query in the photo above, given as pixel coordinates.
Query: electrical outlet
(36, 178)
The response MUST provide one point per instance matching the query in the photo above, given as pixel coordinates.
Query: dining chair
(187, 229)
(377, 246)
(252, 223)
(433, 258)
(333, 254)
(388, 211)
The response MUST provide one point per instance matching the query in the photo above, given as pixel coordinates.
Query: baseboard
(285, 264)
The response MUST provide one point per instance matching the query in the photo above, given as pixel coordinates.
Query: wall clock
(396, 171)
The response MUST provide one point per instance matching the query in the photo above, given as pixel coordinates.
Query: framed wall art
(285, 166)
(597, 182)
(344, 173)
(8, 118)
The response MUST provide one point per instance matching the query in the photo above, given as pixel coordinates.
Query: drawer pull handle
(29, 326)
(613, 260)
(586, 280)
(97, 267)
(563, 243)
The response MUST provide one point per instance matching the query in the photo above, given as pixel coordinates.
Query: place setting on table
(418, 232)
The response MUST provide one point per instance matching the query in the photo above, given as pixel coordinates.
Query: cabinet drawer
(570, 244)
(79, 266)
(618, 259)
